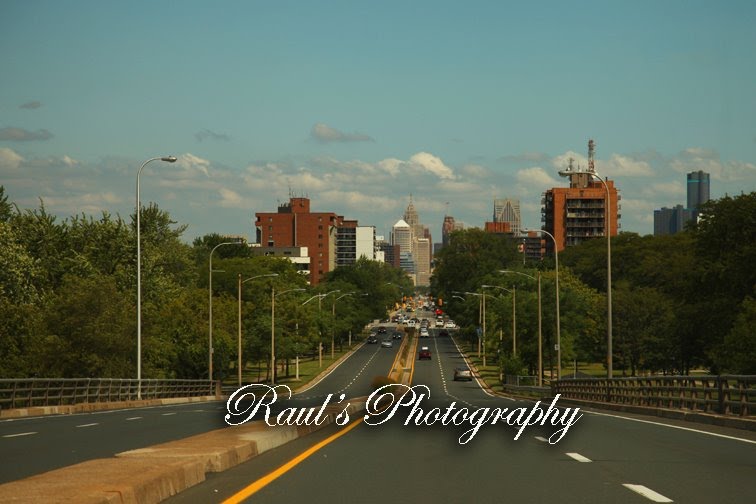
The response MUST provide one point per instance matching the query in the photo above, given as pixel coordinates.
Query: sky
(360, 105)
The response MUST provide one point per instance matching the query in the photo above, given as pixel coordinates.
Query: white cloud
(9, 160)
(474, 171)
(432, 164)
(536, 176)
(231, 199)
(623, 166)
(192, 165)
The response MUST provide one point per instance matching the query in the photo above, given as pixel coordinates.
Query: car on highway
(462, 374)
(424, 353)
(387, 343)
(397, 335)
(372, 339)
(424, 333)
(450, 324)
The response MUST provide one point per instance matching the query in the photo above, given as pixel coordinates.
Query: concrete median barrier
(150, 475)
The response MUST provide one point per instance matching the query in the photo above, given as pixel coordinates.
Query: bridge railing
(32, 392)
(721, 394)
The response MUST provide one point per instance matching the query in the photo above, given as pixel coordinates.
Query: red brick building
(295, 226)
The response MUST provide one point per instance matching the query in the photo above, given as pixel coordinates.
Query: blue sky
(360, 104)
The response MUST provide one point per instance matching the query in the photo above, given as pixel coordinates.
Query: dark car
(372, 339)
(443, 332)
(424, 353)
(381, 330)
(462, 374)
(397, 335)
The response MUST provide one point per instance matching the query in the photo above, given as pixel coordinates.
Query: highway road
(39, 444)
(603, 458)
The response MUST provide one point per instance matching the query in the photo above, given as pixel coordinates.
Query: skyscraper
(508, 210)
(698, 189)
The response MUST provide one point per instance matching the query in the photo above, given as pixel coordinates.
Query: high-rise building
(698, 189)
(578, 213)
(401, 235)
(446, 229)
(422, 261)
(508, 210)
(295, 226)
(354, 241)
(673, 220)
(669, 221)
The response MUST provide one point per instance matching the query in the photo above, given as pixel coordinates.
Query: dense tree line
(679, 302)
(68, 299)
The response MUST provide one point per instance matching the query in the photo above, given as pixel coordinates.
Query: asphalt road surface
(602, 458)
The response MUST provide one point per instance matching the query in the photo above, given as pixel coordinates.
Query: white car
(450, 324)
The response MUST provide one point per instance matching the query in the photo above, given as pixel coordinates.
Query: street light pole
(167, 159)
(273, 330)
(608, 225)
(513, 291)
(558, 313)
(239, 339)
(540, 333)
(210, 307)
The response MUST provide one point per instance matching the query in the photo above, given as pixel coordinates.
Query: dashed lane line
(134, 418)
(647, 493)
(87, 425)
(19, 434)
(541, 439)
(578, 457)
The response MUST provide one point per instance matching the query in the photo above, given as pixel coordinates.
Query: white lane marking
(541, 439)
(134, 418)
(671, 426)
(296, 395)
(342, 360)
(647, 493)
(578, 457)
(88, 425)
(19, 434)
(464, 357)
(169, 414)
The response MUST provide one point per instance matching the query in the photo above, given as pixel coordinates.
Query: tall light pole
(167, 159)
(210, 306)
(320, 334)
(558, 315)
(239, 342)
(540, 333)
(273, 330)
(512, 291)
(333, 322)
(608, 223)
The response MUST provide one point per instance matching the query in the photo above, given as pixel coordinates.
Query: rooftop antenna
(591, 152)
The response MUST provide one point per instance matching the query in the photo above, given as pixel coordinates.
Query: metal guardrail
(32, 392)
(722, 394)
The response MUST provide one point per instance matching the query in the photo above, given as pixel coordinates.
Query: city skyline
(359, 105)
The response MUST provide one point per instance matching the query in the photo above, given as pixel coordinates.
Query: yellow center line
(272, 476)
(261, 483)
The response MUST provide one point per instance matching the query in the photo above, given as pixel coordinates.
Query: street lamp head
(168, 159)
